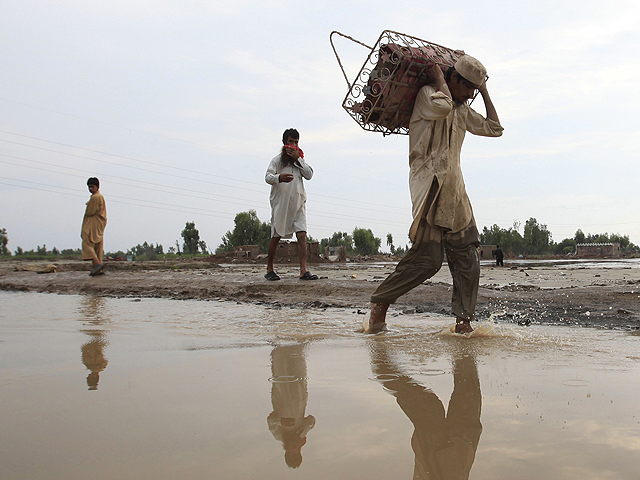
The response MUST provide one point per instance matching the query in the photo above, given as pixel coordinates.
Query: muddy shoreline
(600, 295)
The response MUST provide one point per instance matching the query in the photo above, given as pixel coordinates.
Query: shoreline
(590, 294)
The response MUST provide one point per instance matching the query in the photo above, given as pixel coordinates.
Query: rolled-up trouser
(424, 259)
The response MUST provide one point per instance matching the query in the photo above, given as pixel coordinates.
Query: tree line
(537, 240)
(250, 230)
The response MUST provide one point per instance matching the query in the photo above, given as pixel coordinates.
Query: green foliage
(392, 249)
(338, 239)
(191, 238)
(510, 240)
(144, 251)
(626, 246)
(537, 239)
(4, 240)
(364, 241)
(248, 230)
(68, 252)
(19, 251)
(566, 246)
(203, 247)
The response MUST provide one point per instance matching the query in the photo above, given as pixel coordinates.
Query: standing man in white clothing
(288, 200)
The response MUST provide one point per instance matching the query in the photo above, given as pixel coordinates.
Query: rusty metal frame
(365, 100)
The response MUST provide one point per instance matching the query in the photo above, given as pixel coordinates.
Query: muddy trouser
(424, 259)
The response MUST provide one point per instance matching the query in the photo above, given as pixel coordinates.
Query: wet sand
(602, 293)
(102, 388)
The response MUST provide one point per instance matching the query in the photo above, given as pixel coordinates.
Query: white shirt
(288, 199)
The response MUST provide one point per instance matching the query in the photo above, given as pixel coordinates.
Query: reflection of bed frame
(382, 96)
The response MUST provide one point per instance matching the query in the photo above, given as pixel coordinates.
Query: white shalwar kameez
(288, 199)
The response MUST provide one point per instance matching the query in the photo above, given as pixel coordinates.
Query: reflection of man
(93, 225)
(442, 215)
(288, 199)
(289, 397)
(444, 443)
(92, 310)
(93, 358)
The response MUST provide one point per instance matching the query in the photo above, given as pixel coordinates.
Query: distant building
(485, 252)
(247, 251)
(598, 249)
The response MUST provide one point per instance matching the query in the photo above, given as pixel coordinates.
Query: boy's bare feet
(374, 321)
(463, 326)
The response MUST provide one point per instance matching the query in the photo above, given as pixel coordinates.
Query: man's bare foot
(374, 321)
(463, 326)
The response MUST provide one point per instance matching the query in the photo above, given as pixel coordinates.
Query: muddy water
(116, 388)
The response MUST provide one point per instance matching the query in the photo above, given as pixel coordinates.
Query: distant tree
(4, 240)
(19, 251)
(338, 239)
(365, 242)
(537, 238)
(146, 251)
(248, 230)
(203, 247)
(568, 245)
(171, 250)
(55, 251)
(509, 240)
(626, 246)
(392, 249)
(42, 250)
(191, 237)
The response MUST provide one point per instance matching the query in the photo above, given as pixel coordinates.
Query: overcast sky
(178, 106)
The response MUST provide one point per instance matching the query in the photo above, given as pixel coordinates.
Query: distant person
(93, 225)
(288, 201)
(499, 256)
(442, 215)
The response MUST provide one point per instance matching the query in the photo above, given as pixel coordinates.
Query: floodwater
(107, 388)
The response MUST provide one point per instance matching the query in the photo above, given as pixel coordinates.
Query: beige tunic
(436, 133)
(95, 219)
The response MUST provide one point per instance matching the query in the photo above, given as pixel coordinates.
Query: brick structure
(247, 251)
(598, 249)
(287, 252)
(484, 252)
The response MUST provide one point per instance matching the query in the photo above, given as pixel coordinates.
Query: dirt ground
(596, 294)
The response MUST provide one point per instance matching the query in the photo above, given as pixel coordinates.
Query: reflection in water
(289, 398)
(92, 310)
(444, 443)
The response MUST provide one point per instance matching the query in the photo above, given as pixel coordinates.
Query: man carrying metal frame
(442, 216)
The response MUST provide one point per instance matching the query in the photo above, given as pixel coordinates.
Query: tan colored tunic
(95, 219)
(436, 132)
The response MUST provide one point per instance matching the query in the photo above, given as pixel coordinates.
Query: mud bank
(603, 294)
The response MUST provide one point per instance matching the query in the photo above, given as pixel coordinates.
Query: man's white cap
(471, 69)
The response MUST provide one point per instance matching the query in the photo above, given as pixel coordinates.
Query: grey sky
(178, 107)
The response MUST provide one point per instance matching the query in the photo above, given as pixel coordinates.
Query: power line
(154, 164)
